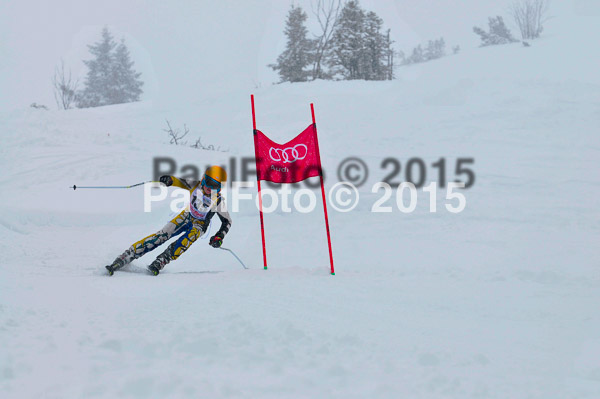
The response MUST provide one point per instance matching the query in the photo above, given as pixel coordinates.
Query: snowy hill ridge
(497, 301)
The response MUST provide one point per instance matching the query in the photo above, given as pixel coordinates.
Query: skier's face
(209, 185)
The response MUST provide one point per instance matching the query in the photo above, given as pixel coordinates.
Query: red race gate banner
(294, 161)
(291, 162)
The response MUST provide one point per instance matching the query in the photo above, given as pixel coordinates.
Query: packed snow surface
(498, 301)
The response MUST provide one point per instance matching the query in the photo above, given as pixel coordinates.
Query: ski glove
(216, 241)
(166, 180)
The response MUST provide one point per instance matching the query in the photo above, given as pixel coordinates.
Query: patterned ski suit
(192, 222)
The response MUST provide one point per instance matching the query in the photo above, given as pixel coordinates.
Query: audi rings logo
(289, 154)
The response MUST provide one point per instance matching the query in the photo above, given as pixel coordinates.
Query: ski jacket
(202, 207)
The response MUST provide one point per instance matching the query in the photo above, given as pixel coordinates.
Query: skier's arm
(186, 184)
(225, 219)
(181, 183)
(217, 240)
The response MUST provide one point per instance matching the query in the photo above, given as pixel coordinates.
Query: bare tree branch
(175, 134)
(327, 13)
(530, 16)
(176, 137)
(65, 88)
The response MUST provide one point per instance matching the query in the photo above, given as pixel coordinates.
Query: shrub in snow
(530, 15)
(497, 33)
(435, 49)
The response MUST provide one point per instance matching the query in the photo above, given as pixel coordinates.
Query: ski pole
(239, 260)
(74, 187)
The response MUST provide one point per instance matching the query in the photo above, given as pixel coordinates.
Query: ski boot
(121, 261)
(153, 269)
(116, 265)
(159, 263)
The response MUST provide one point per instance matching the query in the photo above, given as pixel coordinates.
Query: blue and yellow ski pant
(191, 228)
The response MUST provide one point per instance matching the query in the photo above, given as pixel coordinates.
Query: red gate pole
(312, 110)
(262, 223)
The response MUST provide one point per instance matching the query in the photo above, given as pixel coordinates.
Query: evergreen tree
(298, 53)
(125, 84)
(97, 80)
(498, 33)
(499, 29)
(389, 54)
(110, 78)
(375, 43)
(435, 49)
(416, 56)
(360, 50)
(348, 41)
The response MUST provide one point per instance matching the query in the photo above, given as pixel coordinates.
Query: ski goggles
(211, 183)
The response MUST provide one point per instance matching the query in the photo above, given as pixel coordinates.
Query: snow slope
(498, 301)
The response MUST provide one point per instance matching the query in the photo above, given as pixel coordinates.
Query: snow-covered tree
(110, 78)
(435, 49)
(95, 92)
(348, 41)
(415, 57)
(497, 33)
(389, 54)
(298, 54)
(125, 85)
(376, 50)
(359, 48)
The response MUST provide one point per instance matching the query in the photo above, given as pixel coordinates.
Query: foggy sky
(186, 49)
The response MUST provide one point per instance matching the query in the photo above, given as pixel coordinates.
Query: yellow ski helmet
(214, 177)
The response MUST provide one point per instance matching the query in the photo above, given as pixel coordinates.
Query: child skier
(205, 201)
